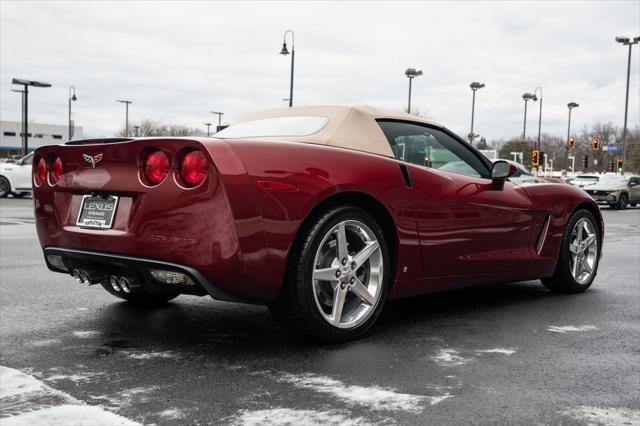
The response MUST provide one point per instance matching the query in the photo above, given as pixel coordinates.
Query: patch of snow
(449, 358)
(373, 397)
(567, 328)
(82, 309)
(150, 355)
(173, 413)
(46, 342)
(286, 416)
(503, 351)
(66, 415)
(14, 382)
(30, 391)
(605, 415)
(128, 397)
(86, 334)
(76, 378)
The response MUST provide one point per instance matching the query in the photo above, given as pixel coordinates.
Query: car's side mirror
(501, 171)
(633, 183)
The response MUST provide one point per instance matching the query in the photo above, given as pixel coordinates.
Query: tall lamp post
(25, 109)
(570, 105)
(21, 106)
(219, 114)
(535, 96)
(411, 73)
(72, 97)
(626, 41)
(208, 128)
(285, 52)
(474, 86)
(126, 116)
(527, 97)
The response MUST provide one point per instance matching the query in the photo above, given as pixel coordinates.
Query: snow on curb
(568, 328)
(16, 386)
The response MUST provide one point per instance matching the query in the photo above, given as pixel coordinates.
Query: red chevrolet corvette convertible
(321, 213)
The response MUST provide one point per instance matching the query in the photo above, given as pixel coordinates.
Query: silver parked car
(616, 191)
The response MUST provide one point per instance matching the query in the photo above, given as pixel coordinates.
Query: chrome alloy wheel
(584, 251)
(348, 274)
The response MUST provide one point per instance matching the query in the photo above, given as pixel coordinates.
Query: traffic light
(611, 169)
(585, 162)
(535, 158)
(620, 168)
(595, 143)
(572, 142)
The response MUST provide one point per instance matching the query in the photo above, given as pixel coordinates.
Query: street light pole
(285, 51)
(126, 117)
(626, 41)
(72, 97)
(21, 107)
(25, 97)
(411, 73)
(474, 86)
(208, 128)
(570, 105)
(219, 114)
(539, 114)
(527, 97)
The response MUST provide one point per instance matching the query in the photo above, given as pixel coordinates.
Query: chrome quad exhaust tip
(123, 284)
(87, 277)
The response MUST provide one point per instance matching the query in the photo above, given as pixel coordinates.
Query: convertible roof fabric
(352, 127)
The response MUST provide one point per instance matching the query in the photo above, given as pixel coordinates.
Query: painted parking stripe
(25, 400)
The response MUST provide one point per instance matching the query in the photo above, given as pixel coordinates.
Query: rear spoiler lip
(98, 141)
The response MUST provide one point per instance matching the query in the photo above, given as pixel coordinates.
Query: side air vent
(543, 235)
(406, 175)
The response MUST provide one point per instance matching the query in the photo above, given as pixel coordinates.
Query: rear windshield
(273, 127)
(589, 178)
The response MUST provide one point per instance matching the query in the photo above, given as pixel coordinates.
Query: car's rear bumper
(100, 266)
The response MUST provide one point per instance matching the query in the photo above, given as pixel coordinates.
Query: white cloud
(179, 60)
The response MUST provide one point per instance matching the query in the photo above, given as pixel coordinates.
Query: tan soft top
(351, 127)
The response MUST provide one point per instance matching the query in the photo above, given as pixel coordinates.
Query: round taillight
(41, 171)
(193, 168)
(56, 170)
(156, 167)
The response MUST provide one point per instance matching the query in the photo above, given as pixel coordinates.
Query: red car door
(466, 225)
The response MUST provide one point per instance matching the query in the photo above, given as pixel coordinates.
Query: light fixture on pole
(527, 97)
(208, 128)
(126, 116)
(536, 97)
(219, 114)
(474, 86)
(285, 52)
(72, 97)
(411, 73)
(626, 41)
(25, 109)
(570, 105)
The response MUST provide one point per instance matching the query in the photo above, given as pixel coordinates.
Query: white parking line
(25, 400)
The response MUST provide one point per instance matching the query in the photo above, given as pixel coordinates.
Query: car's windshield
(274, 127)
(611, 180)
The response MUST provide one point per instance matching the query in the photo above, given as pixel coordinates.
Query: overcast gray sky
(178, 60)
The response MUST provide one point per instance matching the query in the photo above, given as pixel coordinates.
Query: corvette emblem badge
(93, 160)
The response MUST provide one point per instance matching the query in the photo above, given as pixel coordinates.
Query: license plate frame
(98, 217)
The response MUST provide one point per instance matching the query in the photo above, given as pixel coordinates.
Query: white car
(15, 178)
(582, 181)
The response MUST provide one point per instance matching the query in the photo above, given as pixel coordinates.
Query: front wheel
(5, 187)
(623, 201)
(579, 255)
(337, 278)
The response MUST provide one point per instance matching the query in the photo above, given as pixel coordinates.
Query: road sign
(611, 148)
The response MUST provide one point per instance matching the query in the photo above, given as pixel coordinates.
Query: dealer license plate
(97, 211)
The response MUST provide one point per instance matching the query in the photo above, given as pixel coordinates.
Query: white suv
(15, 178)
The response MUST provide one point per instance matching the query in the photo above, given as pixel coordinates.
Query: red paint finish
(237, 226)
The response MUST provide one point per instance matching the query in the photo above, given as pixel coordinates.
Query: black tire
(562, 280)
(296, 307)
(141, 297)
(613, 206)
(623, 201)
(633, 204)
(5, 187)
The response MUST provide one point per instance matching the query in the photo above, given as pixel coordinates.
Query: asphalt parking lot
(501, 354)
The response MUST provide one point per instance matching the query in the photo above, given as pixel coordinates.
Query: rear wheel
(337, 279)
(140, 297)
(579, 255)
(5, 187)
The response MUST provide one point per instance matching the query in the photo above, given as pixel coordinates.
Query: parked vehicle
(616, 191)
(15, 178)
(321, 213)
(582, 181)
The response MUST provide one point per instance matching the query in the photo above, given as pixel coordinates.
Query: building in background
(39, 135)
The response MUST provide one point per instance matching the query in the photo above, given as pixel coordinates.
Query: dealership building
(39, 134)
